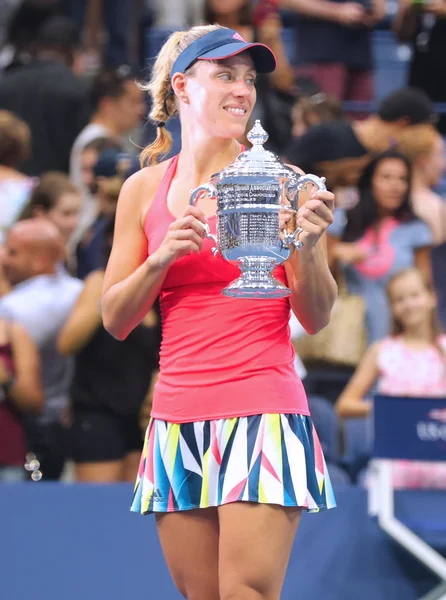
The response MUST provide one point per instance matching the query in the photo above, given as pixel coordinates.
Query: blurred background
(359, 96)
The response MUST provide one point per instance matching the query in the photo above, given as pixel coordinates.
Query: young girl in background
(410, 362)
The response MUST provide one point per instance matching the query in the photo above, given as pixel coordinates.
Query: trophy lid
(257, 160)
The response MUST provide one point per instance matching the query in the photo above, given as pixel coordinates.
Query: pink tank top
(220, 357)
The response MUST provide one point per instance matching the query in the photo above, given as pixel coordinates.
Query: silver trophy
(257, 203)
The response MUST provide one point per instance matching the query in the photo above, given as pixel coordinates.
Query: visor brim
(263, 57)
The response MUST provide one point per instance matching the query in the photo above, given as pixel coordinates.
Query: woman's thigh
(130, 466)
(254, 550)
(100, 472)
(189, 540)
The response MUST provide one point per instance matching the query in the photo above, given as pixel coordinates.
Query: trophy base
(256, 282)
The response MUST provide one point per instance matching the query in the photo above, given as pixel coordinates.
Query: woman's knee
(193, 589)
(238, 590)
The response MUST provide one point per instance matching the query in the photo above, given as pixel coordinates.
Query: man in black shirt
(48, 96)
(338, 150)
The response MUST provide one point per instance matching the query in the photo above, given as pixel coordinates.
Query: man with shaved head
(41, 299)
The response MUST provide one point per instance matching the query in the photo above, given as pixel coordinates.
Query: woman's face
(412, 303)
(221, 95)
(65, 214)
(390, 183)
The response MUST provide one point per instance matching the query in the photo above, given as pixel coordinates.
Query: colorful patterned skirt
(269, 459)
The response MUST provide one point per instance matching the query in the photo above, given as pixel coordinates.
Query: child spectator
(409, 362)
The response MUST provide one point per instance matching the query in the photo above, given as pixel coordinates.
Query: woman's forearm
(353, 408)
(313, 286)
(26, 396)
(125, 304)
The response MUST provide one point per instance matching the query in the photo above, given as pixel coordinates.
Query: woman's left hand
(314, 217)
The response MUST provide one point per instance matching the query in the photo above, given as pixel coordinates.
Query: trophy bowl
(257, 202)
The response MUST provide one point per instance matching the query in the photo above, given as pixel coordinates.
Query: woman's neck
(201, 157)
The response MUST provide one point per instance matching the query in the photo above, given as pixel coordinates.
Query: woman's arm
(26, 390)
(313, 287)
(85, 317)
(423, 262)
(351, 403)
(132, 280)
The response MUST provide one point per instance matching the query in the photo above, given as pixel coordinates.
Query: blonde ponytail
(164, 104)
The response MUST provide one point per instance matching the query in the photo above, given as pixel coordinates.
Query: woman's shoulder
(147, 178)
(139, 190)
(416, 232)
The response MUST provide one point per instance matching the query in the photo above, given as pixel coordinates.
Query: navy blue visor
(220, 44)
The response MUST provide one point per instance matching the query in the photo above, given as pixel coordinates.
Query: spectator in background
(426, 150)
(21, 19)
(339, 150)
(94, 18)
(88, 158)
(411, 361)
(15, 187)
(58, 200)
(423, 26)
(21, 393)
(118, 107)
(111, 380)
(46, 94)
(175, 14)
(425, 147)
(379, 237)
(110, 172)
(41, 300)
(334, 44)
(309, 111)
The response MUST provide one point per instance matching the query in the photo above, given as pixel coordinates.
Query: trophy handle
(195, 195)
(292, 189)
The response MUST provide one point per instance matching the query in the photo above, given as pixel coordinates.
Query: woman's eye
(225, 76)
(251, 80)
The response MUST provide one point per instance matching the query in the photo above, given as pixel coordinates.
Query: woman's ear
(179, 86)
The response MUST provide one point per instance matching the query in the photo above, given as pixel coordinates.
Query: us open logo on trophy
(257, 203)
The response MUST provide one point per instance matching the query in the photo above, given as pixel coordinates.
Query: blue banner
(410, 428)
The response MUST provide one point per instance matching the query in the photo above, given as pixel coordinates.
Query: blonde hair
(418, 140)
(164, 105)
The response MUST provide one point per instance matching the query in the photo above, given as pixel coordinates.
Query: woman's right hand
(185, 235)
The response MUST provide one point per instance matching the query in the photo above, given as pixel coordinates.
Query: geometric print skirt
(268, 459)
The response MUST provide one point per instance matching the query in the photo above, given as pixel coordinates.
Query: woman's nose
(241, 88)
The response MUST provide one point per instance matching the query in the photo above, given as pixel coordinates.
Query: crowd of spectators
(72, 123)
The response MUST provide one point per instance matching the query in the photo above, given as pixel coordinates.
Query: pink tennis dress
(408, 372)
(230, 419)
